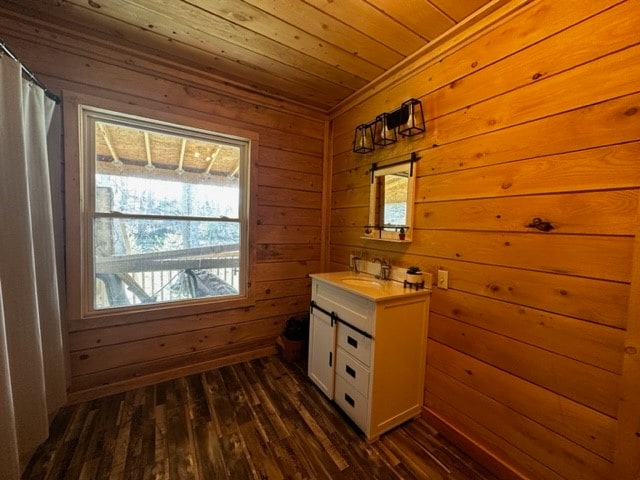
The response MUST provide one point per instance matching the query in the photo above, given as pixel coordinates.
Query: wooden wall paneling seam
(465, 121)
(563, 294)
(327, 176)
(598, 168)
(588, 385)
(351, 217)
(129, 332)
(603, 124)
(534, 64)
(572, 130)
(348, 161)
(598, 257)
(106, 357)
(587, 342)
(284, 196)
(268, 215)
(277, 141)
(274, 252)
(278, 176)
(288, 234)
(351, 198)
(522, 105)
(626, 460)
(297, 162)
(559, 454)
(42, 33)
(608, 212)
(508, 461)
(285, 270)
(358, 176)
(588, 428)
(166, 367)
(281, 288)
(95, 388)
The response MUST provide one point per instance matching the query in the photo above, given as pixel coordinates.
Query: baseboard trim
(151, 379)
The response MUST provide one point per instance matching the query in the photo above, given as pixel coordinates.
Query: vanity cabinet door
(322, 346)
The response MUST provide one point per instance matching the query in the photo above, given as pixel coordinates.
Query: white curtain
(32, 359)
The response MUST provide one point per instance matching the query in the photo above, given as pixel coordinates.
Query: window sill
(146, 313)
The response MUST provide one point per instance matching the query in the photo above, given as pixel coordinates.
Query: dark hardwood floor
(256, 420)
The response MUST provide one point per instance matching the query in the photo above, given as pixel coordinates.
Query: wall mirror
(391, 202)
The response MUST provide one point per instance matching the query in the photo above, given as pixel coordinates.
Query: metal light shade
(414, 123)
(383, 133)
(363, 139)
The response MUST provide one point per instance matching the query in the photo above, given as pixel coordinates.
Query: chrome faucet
(385, 268)
(354, 264)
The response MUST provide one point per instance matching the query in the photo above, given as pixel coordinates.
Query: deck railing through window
(168, 276)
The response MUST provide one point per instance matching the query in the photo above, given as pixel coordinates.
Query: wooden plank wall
(537, 116)
(288, 220)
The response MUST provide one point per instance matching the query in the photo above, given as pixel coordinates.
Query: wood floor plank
(261, 419)
(232, 446)
(181, 455)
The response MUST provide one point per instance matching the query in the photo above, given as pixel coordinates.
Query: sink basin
(368, 286)
(362, 282)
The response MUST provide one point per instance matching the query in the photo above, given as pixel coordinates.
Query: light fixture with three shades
(407, 120)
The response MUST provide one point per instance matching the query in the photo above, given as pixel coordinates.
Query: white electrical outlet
(443, 279)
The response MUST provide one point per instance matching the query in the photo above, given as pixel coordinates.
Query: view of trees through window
(167, 215)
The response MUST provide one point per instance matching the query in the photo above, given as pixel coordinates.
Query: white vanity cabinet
(322, 335)
(367, 349)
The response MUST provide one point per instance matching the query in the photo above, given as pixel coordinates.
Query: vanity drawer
(351, 402)
(351, 308)
(353, 372)
(354, 343)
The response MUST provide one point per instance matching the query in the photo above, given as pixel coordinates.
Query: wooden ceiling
(313, 52)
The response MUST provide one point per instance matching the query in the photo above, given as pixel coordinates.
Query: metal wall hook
(540, 225)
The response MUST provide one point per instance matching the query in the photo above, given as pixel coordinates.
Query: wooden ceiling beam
(147, 147)
(107, 140)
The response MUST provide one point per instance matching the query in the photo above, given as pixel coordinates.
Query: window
(165, 213)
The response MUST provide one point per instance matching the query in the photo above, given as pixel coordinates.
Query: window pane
(144, 172)
(151, 196)
(146, 261)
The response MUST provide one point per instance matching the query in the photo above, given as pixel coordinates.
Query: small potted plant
(292, 342)
(414, 275)
(401, 234)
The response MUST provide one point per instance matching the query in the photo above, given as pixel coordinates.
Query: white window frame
(79, 184)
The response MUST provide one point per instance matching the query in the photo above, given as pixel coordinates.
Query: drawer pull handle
(352, 341)
(349, 400)
(330, 359)
(350, 371)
